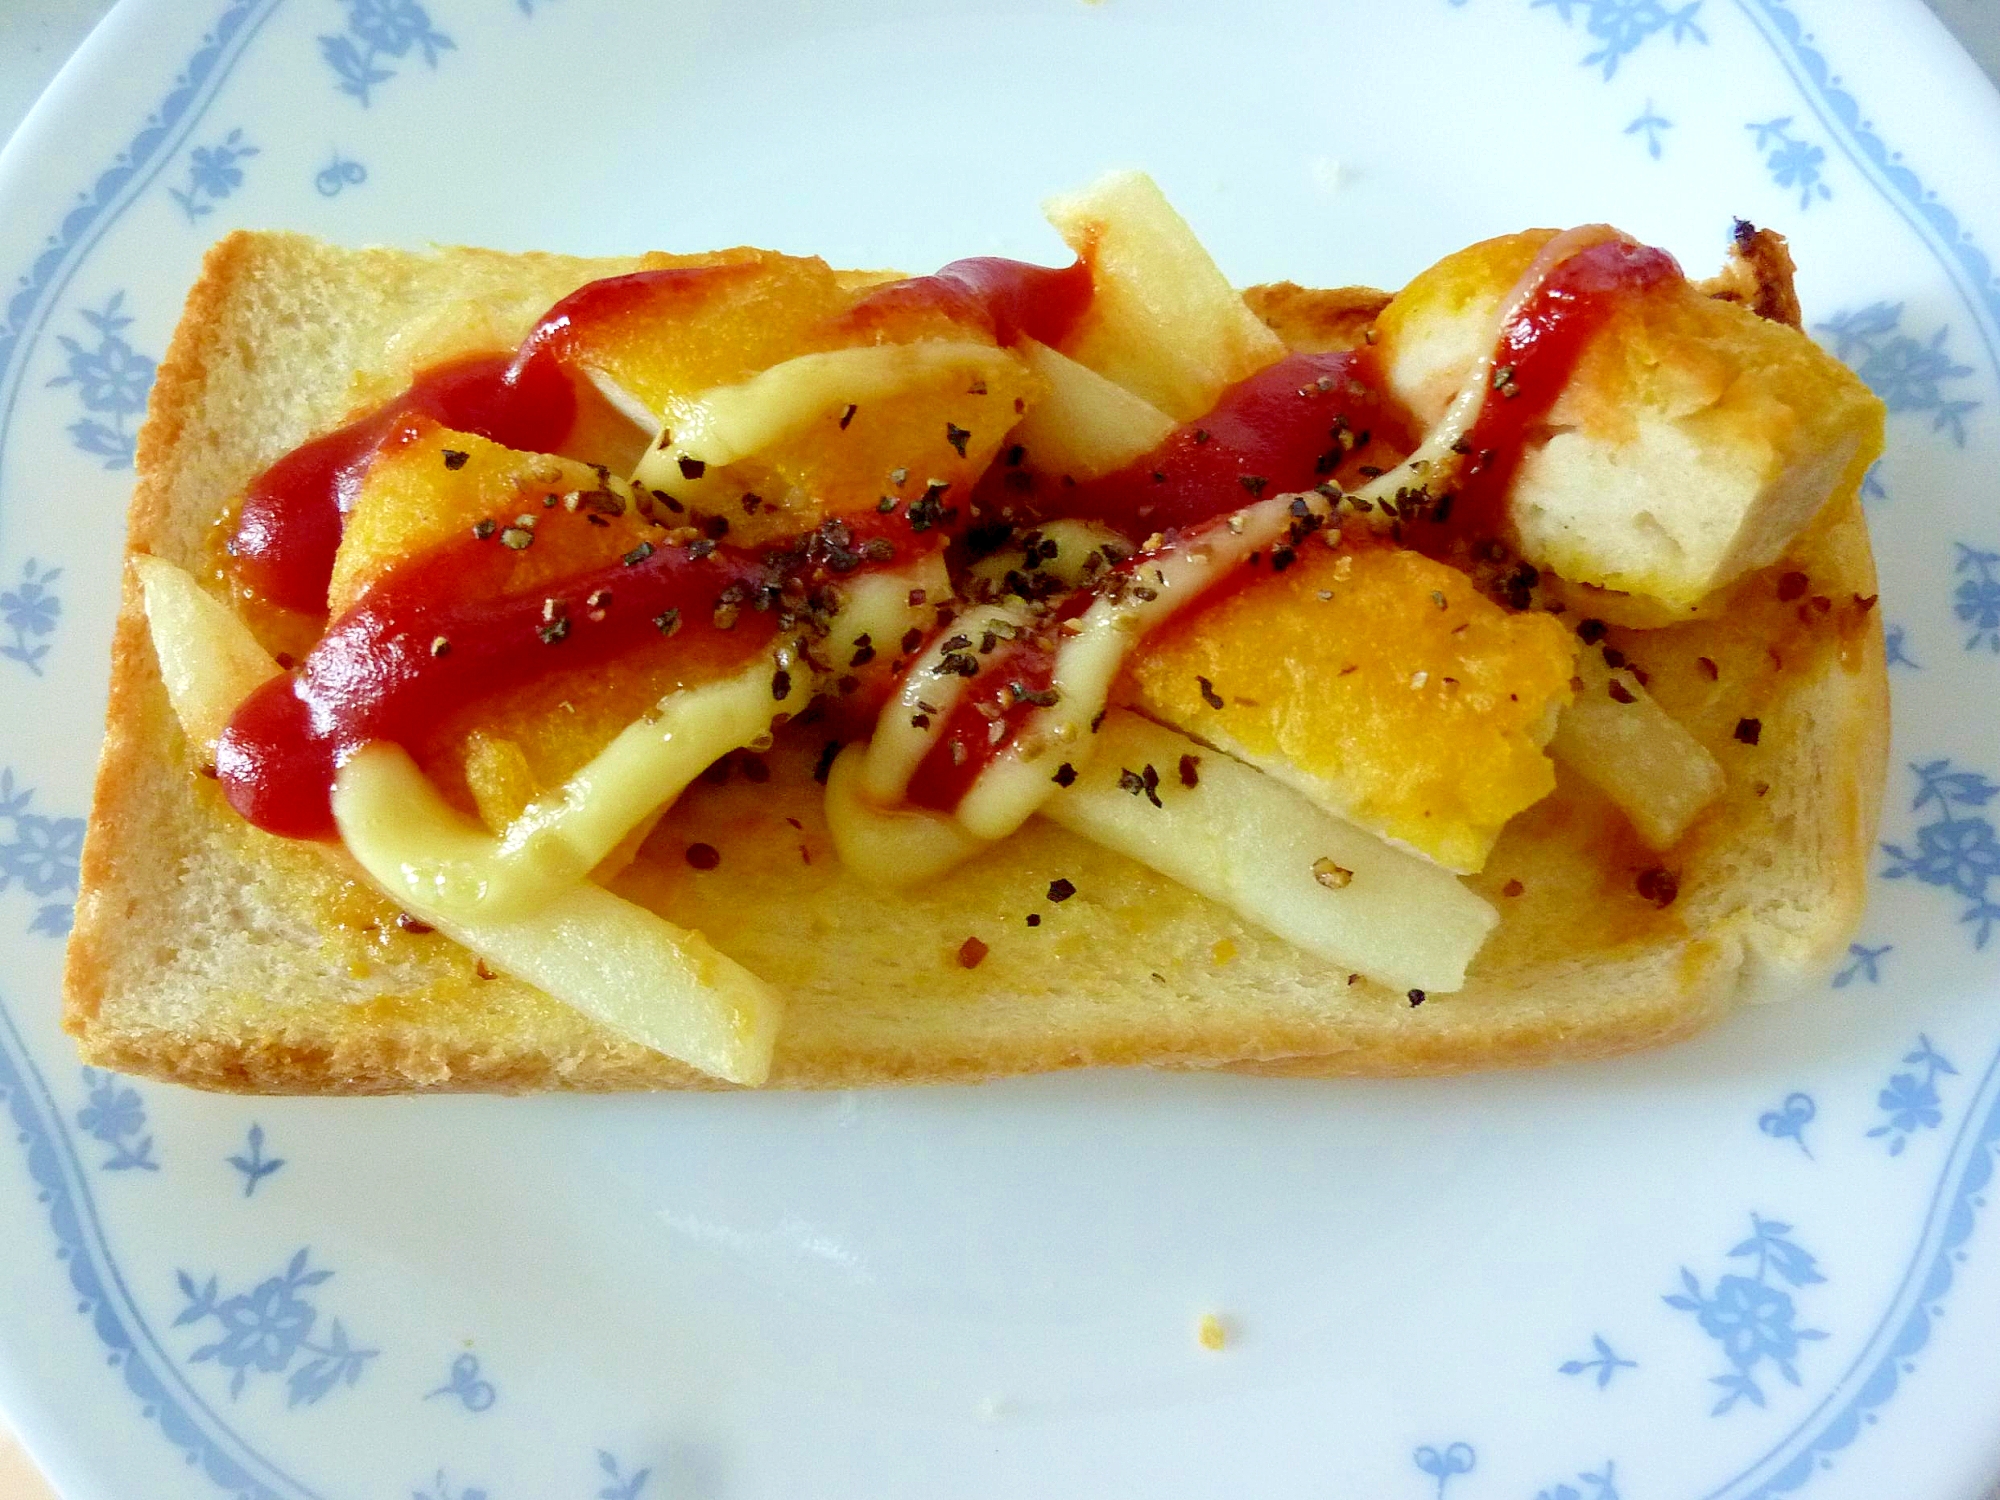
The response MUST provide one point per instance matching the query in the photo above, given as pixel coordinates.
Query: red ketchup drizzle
(968, 745)
(1013, 298)
(289, 527)
(1539, 346)
(1281, 429)
(374, 674)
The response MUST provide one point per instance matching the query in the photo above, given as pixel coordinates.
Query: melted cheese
(616, 962)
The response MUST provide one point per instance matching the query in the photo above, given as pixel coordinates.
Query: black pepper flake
(920, 721)
(823, 767)
(454, 458)
(781, 685)
(864, 652)
(703, 856)
(1208, 693)
(848, 415)
(555, 631)
(1254, 483)
(1613, 658)
(1282, 558)
(598, 599)
(1749, 731)
(1060, 890)
(698, 550)
(484, 529)
(1034, 919)
(1044, 698)
(1590, 632)
(692, 468)
(1190, 777)
(440, 646)
(1144, 783)
(668, 622)
(1659, 886)
(956, 436)
(1416, 998)
(1503, 381)
(1620, 693)
(912, 638)
(1065, 775)
(1792, 586)
(751, 500)
(1200, 435)
(715, 528)
(637, 555)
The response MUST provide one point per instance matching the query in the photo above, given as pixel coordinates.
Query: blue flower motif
(465, 1385)
(1863, 963)
(111, 379)
(1791, 162)
(253, 1164)
(377, 29)
(1895, 653)
(1650, 123)
(1909, 374)
(30, 610)
(116, 1116)
(1911, 1102)
(1978, 597)
(1601, 1487)
(1623, 26)
(1956, 850)
(1607, 1363)
(212, 175)
(1445, 1464)
(1789, 1120)
(267, 1328)
(1753, 1320)
(618, 1484)
(41, 853)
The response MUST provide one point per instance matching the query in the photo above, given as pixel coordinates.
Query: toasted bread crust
(211, 954)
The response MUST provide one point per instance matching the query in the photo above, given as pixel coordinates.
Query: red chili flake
(210, 770)
(1512, 888)
(1821, 604)
(1190, 778)
(411, 925)
(912, 638)
(1620, 693)
(482, 971)
(1708, 668)
(1792, 586)
(703, 856)
(1659, 886)
(848, 415)
(1749, 730)
(1061, 890)
(1208, 693)
(1865, 602)
(970, 952)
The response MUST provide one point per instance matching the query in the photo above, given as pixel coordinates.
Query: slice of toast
(212, 954)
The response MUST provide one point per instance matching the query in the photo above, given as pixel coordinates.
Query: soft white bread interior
(1693, 442)
(215, 955)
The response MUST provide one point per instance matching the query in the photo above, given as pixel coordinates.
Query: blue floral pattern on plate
(1957, 849)
(378, 30)
(213, 174)
(1753, 1320)
(265, 1329)
(111, 380)
(39, 854)
(29, 612)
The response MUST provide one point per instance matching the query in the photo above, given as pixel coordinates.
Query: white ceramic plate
(1758, 1264)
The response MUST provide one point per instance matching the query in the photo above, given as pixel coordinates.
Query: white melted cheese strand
(730, 423)
(1434, 459)
(616, 962)
(890, 847)
(209, 660)
(559, 839)
(1259, 848)
(1008, 791)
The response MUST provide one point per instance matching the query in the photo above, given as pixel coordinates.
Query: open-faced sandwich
(550, 673)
